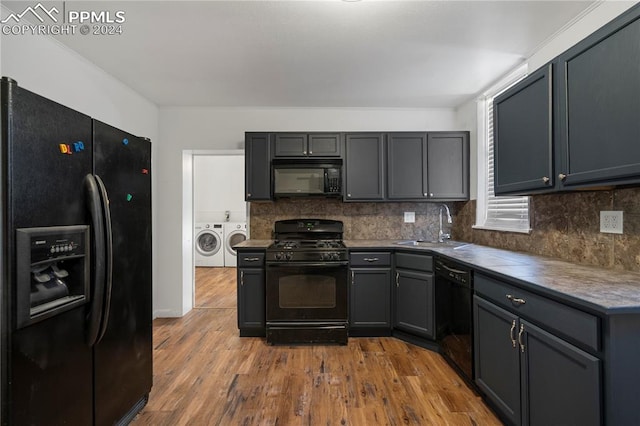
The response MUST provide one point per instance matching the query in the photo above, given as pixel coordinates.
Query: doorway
(217, 182)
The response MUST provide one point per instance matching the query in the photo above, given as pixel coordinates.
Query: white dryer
(234, 233)
(209, 241)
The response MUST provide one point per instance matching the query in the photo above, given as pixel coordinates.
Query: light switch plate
(611, 222)
(409, 217)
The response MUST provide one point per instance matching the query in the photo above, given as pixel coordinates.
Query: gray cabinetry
(307, 145)
(364, 167)
(406, 164)
(599, 106)
(523, 135)
(428, 166)
(251, 293)
(527, 371)
(574, 123)
(448, 165)
(370, 295)
(257, 167)
(414, 294)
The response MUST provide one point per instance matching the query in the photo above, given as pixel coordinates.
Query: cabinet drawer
(572, 323)
(251, 259)
(370, 259)
(419, 262)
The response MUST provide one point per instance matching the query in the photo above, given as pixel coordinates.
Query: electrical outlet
(611, 222)
(409, 217)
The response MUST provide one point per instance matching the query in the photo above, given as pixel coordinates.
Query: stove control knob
(288, 256)
(278, 256)
(335, 256)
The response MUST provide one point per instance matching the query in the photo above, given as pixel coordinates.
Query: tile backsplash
(362, 221)
(567, 226)
(564, 226)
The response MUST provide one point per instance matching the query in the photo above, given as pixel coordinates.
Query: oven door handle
(307, 264)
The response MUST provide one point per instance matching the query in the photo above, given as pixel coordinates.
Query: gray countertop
(593, 288)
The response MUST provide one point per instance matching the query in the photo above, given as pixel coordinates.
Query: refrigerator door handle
(106, 212)
(94, 315)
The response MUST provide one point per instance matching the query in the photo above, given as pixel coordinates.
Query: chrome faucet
(441, 235)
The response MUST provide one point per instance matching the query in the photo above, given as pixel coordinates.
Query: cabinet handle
(431, 194)
(426, 195)
(397, 279)
(242, 278)
(251, 259)
(516, 300)
(562, 176)
(520, 338)
(546, 180)
(304, 152)
(349, 195)
(371, 259)
(353, 278)
(310, 152)
(511, 334)
(248, 194)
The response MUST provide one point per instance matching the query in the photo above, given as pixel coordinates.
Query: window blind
(503, 213)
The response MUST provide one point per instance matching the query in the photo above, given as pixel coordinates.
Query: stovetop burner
(308, 244)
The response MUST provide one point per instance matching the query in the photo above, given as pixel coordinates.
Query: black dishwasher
(454, 314)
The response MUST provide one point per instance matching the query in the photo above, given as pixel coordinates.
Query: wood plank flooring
(205, 374)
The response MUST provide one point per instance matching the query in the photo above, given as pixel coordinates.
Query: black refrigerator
(76, 314)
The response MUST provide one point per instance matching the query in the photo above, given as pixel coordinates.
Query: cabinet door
(414, 303)
(251, 300)
(497, 358)
(561, 382)
(290, 145)
(599, 106)
(406, 163)
(370, 298)
(364, 171)
(448, 166)
(523, 135)
(257, 167)
(324, 145)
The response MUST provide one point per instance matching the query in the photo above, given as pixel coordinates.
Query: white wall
(187, 129)
(466, 115)
(218, 186)
(44, 66)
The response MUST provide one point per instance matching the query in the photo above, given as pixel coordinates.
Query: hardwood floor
(205, 374)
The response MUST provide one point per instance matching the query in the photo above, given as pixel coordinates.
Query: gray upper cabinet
(257, 167)
(523, 130)
(307, 145)
(364, 167)
(428, 166)
(406, 163)
(599, 106)
(574, 124)
(448, 165)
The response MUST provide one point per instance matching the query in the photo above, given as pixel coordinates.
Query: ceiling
(376, 54)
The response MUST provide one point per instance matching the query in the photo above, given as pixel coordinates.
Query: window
(496, 213)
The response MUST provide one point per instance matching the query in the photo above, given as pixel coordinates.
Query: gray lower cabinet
(414, 294)
(251, 293)
(364, 167)
(528, 373)
(370, 293)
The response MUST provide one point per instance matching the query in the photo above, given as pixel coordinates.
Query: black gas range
(306, 286)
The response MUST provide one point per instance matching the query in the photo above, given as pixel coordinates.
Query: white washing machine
(209, 241)
(234, 233)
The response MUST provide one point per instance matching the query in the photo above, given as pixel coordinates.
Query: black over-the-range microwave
(296, 178)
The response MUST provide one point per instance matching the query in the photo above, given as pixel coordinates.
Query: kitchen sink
(427, 243)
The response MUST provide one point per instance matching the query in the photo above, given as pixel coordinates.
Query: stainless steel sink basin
(427, 243)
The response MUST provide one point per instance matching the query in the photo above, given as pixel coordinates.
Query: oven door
(306, 292)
